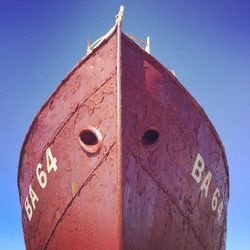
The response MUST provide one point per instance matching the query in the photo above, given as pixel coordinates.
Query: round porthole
(150, 137)
(90, 139)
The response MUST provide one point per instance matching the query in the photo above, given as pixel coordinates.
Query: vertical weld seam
(119, 138)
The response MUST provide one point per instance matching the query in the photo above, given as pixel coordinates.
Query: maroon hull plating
(160, 195)
(132, 193)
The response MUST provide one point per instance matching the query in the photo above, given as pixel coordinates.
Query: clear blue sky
(206, 42)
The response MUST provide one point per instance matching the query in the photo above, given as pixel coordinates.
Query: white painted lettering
(41, 176)
(51, 161)
(198, 173)
(28, 208)
(215, 199)
(206, 182)
(198, 168)
(33, 197)
(220, 209)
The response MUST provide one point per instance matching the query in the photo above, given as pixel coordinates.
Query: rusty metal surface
(87, 97)
(88, 218)
(162, 206)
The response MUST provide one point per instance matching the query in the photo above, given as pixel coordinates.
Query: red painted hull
(128, 194)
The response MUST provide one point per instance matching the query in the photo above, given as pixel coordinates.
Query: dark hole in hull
(150, 137)
(89, 138)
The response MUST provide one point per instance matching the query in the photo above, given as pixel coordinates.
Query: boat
(121, 156)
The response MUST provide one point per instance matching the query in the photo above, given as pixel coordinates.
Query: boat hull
(133, 192)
